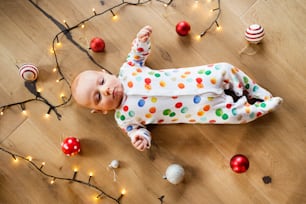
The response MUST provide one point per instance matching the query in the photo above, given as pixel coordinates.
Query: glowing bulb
(29, 158)
(75, 169)
(198, 37)
(58, 44)
(1, 113)
(16, 160)
(196, 4)
(54, 69)
(90, 174)
(115, 17)
(62, 95)
(47, 115)
(51, 50)
(94, 11)
(24, 112)
(83, 25)
(39, 90)
(123, 191)
(52, 181)
(57, 81)
(219, 28)
(43, 163)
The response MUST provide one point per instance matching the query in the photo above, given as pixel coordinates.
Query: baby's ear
(99, 111)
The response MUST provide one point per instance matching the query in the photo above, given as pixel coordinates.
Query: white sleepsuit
(185, 95)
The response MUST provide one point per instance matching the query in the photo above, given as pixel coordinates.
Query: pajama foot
(270, 104)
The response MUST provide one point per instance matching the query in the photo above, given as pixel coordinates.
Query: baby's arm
(141, 47)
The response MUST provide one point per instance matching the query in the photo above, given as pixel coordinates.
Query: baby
(141, 96)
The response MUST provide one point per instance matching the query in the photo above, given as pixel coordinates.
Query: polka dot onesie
(185, 95)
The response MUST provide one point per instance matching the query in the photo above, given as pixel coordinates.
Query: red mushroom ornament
(71, 146)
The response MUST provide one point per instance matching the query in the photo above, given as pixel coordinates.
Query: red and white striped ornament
(254, 33)
(28, 72)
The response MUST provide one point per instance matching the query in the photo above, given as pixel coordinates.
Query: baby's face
(97, 90)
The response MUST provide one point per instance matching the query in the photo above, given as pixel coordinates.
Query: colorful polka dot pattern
(184, 95)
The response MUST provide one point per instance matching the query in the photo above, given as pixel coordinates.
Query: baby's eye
(97, 98)
(101, 81)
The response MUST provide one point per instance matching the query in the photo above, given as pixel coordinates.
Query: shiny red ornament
(97, 44)
(71, 146)
(183, 28)
(239, 163)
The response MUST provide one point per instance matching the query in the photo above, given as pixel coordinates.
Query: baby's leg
(226, 111)
(240, 83)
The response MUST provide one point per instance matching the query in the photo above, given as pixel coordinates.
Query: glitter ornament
(174, 174)
(71, 146)
(97, 44)
(254, 33)
(28, 72)
(239, 163)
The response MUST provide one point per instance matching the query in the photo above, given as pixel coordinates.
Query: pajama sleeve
(134, 130)
(139, 52)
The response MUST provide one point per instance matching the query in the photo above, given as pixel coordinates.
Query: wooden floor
(275, 144)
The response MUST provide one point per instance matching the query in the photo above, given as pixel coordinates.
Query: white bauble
(174, 173)
(114, 164)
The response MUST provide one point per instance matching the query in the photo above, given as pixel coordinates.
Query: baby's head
(97, 90)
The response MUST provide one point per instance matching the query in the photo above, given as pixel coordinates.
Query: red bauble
(239, 163)
(183, 28)
(71, 146)
(97, 44)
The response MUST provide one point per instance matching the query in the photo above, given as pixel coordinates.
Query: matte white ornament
(114, 164)
(174, 173)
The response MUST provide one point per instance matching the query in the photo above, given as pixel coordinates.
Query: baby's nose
(106, 92)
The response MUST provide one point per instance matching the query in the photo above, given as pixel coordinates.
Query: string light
(214, 21)
(90, 176)
(29, 160)
(75, 173)
(52, 181)
(65, 22)
(94, 11)
(42, 165)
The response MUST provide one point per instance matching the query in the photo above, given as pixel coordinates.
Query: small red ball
(71, 146)
(183, 28)
(239, 163)
(97, 44)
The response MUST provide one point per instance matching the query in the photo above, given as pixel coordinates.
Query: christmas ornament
(114, 164)
(254, 33)
(97, 44)
(28, 72)
(183, 28)
(174, 173)
(239, 163)
(71, 146)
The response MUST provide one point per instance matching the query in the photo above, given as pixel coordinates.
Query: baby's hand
(144, 34)
(140, 143)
